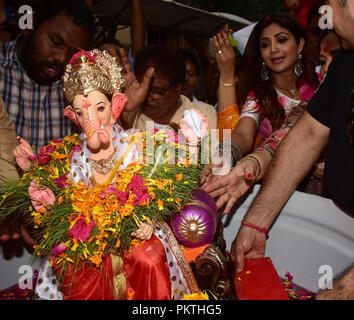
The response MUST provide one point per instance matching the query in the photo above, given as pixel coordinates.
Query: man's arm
(343, 288)
(137, 32)
(294, 158)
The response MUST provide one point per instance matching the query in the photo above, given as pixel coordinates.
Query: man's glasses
(350, 121)
(158, 92)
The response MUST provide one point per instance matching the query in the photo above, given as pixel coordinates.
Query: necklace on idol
(103, 166)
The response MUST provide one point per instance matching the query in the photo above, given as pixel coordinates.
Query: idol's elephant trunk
(96, 134)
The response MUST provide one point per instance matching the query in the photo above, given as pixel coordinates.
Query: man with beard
(31, 67)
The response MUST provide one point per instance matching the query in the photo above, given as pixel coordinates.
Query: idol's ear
(70, 113)
(118, 103)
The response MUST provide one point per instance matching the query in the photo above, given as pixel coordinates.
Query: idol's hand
(145, 231)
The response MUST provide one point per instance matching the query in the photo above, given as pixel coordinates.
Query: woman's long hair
(251, 66)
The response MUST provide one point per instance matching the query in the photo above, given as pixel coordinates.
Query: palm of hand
(21, 153)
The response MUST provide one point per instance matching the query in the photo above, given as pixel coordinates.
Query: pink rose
(43, 156)
(57, 140)
(62, 182)
(123, 197)
(33, 158)
(41, 197)
(81, 231)
(50, 149)
(91, 58)
(59, 249)
(139, 190)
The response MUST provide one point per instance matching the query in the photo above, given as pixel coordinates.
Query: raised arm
(294, 158)
(135, 91)
(225, 58)
(137, 27)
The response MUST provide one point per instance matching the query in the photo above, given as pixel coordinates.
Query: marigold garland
(84, 224)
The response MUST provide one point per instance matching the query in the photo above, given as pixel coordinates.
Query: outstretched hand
(229, 188)
(22, 152)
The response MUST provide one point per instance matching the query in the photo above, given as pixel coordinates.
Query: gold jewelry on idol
(103, 166)
(90, 71)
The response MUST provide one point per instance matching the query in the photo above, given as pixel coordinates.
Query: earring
(264, 72)
(298, 66)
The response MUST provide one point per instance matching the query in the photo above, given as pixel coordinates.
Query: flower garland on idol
(75, 223)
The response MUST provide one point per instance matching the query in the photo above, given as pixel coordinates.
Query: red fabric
(259, 281)
(89, 282)
(147, 272)
(302, 13)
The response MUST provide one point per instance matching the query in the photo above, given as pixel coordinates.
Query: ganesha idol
(156, 269)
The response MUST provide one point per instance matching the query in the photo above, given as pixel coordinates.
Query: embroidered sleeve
(271, 144)
(251, 109)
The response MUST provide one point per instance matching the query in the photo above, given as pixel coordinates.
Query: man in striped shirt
(31, 67)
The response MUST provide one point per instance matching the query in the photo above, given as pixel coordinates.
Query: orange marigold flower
(96, 259)
(60, 200)
(179, 176)
(160, 204)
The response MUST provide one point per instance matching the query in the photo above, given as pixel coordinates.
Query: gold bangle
(255, 159)
(228, 84)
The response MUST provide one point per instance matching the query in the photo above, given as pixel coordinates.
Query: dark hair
(326, 33)
(165, 61)
(78, 10)
(109, 40)
(314, 10)
(251, 66)
(189, 55)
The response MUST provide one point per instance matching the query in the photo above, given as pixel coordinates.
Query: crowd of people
(287, 101)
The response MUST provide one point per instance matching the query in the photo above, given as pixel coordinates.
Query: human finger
(147, 77)
(26, 236)
(221, 200)
(125, 61)
(15, 232)
(219, 183)
(205, 173)
(24, 144)
(217, 46)
(230, 203)
(227, 41)
(238, 254)
(4, 232)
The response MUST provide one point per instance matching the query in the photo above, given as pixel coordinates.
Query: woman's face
(329, 46)
(279, 49)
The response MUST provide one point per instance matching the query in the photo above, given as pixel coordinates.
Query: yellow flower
(196, 296)
(160, 204)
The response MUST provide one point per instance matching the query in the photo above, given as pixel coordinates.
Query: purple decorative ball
(196, 224)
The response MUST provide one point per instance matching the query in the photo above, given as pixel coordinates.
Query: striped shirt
(36, 110)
